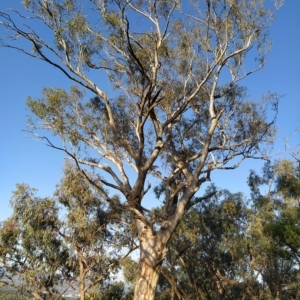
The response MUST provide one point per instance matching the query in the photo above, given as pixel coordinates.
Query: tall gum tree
(165, 78)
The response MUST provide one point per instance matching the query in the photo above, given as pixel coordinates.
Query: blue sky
(24, 160)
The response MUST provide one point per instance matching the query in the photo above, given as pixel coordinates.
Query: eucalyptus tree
(274, 230)
(94, 234)
(31, 254)
(209, 252)
(164, 82)
(230, 248)
(73, 240)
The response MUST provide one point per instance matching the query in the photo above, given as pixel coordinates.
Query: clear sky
(24, 160)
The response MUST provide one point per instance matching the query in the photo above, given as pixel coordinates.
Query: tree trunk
(81, 290)
(152, 253)
(153, 246)
(146, 281)
(36, 295)
(81, 279)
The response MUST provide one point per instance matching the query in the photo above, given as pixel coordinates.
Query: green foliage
(129, 269)
(115, 291)
(90, 229)
(226, 248)
(27, 3)
(43, 246)
(209, 248)
(30, 249)
(275, 228)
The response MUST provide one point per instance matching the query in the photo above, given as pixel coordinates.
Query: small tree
(31, 253)
(173, 108)
(45, 248)
(275, 233)
(95, 237)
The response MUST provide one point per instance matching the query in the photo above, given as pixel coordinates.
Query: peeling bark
(152, 252)
(146, 281)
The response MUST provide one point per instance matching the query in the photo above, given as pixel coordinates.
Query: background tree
(208, 256)
(31, 253)
(113, 291)
(275, 228)
(45, 247)
(231, 248)
(93, 232)
(175, 109)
